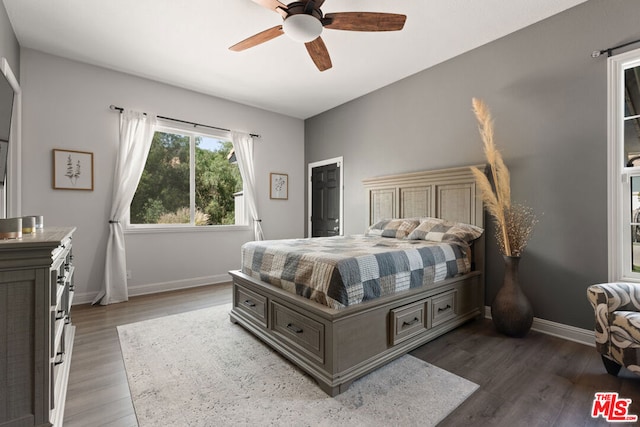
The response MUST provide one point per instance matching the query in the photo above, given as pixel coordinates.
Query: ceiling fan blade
(274, 5)
(364, 21)
(319, 54)
(257, 39)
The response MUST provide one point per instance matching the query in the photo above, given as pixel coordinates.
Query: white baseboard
(154, 288)
(567, 332)
(83, 297)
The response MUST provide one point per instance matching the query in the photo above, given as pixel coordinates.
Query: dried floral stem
(514, 223)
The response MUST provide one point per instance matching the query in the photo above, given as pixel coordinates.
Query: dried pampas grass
(515, 222)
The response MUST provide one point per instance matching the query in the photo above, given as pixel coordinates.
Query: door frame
(11, 194)
(340, 162)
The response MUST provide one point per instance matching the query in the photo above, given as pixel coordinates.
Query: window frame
(130, 228)
(619, 177)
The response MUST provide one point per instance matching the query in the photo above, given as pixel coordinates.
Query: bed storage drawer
(251, 303)
(301, 331)
(408, 320)
(443, 307)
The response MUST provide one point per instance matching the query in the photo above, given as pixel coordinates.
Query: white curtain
(136, 134)
(243, 146)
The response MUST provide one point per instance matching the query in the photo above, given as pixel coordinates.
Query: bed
(338, 333)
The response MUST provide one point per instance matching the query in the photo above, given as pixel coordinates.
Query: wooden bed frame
(337, 347)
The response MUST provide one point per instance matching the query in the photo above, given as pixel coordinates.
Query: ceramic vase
(511, 311)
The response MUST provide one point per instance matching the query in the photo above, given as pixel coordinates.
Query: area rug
(199, 369)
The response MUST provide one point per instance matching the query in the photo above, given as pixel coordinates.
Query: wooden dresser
(36, 334)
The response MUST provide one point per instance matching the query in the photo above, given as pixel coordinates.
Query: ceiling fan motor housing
(303, 22)
(306, 7)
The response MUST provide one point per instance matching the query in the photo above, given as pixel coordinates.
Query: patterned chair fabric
(617, 327)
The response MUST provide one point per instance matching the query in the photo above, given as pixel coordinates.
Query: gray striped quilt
(343, 271)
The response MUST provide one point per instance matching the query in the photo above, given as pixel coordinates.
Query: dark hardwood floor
(539, 380)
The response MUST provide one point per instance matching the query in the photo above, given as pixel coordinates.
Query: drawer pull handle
(294, 328)
(249, 303)
(441, 309)
(413, 322)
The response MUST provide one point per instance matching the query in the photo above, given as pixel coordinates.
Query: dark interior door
(325, 200)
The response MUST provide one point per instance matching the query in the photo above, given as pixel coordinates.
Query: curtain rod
(120, 109)
(609, 51)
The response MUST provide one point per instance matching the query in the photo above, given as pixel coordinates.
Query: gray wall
(549, 101)
(9, 47)
(66, 106)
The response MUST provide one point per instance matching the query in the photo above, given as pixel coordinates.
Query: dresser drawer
(58, 321)
(304, 333)
(251, 303)
(57, 368)
(443, 307)
(56, 281)
(407, 321)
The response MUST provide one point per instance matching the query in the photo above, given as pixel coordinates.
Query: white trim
(192, 179)
(154, 288)
(571, 333)
(567, 332)
(340, 162)
(182, 228)
(14, 166)
(612, 180)
(618, 177)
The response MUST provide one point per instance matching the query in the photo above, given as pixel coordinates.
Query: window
(190, 179)
(624, 166)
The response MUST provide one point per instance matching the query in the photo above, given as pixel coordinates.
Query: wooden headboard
(445, 193)
(449, 194)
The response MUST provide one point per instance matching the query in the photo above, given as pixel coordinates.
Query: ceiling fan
(304, 22)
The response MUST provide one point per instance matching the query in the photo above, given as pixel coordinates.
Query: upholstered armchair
(617, 329)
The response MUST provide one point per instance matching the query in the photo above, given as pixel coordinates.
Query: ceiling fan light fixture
(302, 28)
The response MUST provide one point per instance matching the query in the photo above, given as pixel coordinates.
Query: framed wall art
(72, 170)
(279, 186)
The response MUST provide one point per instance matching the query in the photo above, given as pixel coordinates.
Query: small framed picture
(279, 186)
(72, 170)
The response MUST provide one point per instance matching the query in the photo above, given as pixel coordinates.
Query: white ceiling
(185, 43)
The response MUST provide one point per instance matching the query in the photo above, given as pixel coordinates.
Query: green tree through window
(167, 188)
